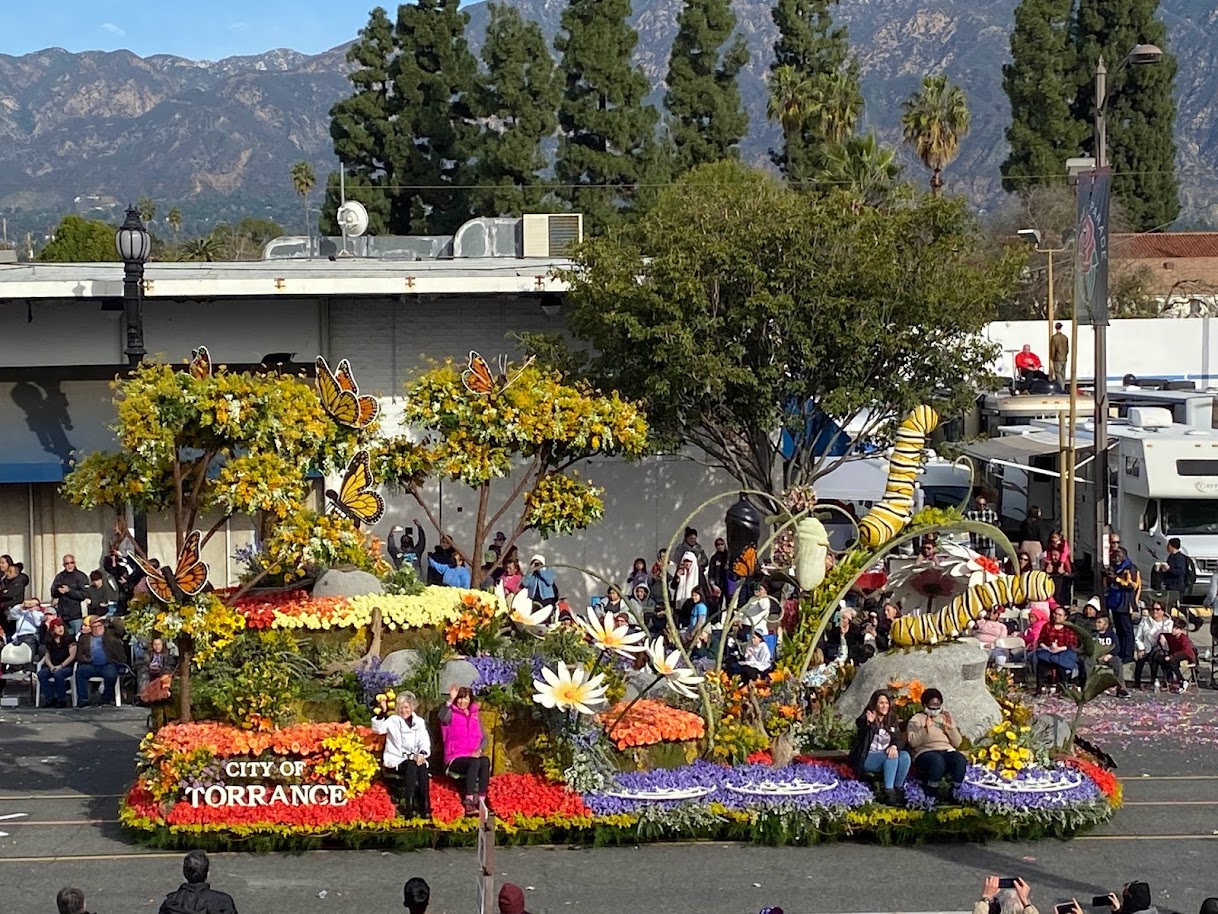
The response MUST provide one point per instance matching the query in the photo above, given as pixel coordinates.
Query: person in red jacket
(1176, 647)
(1057, 656)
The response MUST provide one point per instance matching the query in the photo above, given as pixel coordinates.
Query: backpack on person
(1190, 575)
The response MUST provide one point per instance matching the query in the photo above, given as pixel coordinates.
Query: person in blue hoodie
(455, 575)
(539, 583)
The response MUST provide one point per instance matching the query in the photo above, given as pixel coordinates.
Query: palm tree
(174, 220)
(147, 207)
(835, 106)
(862, 167)
(304, 180)
(790, 95)
(205, 249)
(936, 119)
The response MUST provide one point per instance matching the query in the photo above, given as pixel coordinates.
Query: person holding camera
(1005, 896)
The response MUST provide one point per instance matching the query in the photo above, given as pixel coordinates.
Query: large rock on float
(338, 582)
(401, 663)
(956, 669)
(457, 673)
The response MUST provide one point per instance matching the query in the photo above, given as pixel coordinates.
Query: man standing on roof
(1059, 351)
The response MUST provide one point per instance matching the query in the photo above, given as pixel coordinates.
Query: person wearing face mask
(935, 739)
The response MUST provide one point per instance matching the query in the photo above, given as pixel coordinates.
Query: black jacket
(12, 592)
(401, 553)
(865, 732)
(69, 604)
(198, 898)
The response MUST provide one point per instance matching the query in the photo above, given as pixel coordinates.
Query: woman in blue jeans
(879, 746)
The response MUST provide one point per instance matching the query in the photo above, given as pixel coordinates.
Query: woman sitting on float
(465, 747)
(879, 746)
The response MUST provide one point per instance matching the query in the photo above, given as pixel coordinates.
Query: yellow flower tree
(531, 424)
(220, 444)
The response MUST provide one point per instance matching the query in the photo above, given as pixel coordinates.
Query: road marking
(64, 796)
(1209, 837)
(1171, 803)
(66, 822)
(14, 815)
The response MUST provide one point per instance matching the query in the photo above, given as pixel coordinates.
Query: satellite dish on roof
(352, 219)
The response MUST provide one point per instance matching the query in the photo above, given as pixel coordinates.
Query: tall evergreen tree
(607, 143)
(434, 135)
(361, 126)
(818, 53)
(1141, 112)
(1040, 84)
(518, 100)
(707, 119)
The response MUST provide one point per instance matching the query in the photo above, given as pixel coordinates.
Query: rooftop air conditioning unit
(551, 234)
(1151, 417)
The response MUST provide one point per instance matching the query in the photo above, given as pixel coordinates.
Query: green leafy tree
(1039, 83)
(935, 120)
(606, 144)
(862, 168)
(1141, 112)
(707, 120)
(80, 240)
(516, 447)
(433, 136)
(738, 308)
(361, 126)
(517, 99)
(205, 248)
(304, 180)
(232, 443)
(147, 207)
(174, 220)
(820, 99)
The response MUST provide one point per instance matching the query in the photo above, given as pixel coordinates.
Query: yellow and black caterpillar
(955, 618)
(887, 518)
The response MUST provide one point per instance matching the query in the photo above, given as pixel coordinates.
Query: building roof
(288, 278)
(1165, 245)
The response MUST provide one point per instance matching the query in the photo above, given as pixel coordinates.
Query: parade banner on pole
(1091, 247)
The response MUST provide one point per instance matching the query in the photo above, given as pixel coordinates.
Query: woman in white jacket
(407, 749)
(1146, 639)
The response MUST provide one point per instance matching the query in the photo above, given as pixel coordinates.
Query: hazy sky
(197, 29)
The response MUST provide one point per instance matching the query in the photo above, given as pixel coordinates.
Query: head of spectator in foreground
(70, 901)
(511, 899)
(416, 894)
(1209, 906)
(195, 867)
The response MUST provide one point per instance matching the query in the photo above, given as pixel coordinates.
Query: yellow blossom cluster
(212, 624)
(435, 606)
(560, 504)
(1006, 749)
(307, 539)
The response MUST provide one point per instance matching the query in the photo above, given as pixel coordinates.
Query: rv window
(1189, 516)
(1197, 467)
(1151, 516)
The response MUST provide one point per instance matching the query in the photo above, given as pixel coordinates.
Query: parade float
(599, 733)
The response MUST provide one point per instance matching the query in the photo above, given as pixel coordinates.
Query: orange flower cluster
(651, 722)
(912, 690)
(477, 615)
(226, 741)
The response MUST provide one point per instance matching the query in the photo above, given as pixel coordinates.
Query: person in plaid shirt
(983, 513)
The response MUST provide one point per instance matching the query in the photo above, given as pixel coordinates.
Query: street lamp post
(134, 245)
(1141, 55)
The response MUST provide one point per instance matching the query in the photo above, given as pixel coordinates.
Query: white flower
(609, 636)
(524, 614)
(569, 688)
(979, 569)
(680, 679)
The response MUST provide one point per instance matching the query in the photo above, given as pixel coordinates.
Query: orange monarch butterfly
(341, 397)
(478, 379)
(189, 577)
(200, 363)
(355, 497)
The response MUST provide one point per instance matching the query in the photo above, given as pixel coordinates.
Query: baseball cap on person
(500, 536)
(511, 899)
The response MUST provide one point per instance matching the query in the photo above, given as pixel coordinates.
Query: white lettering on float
(264, 794)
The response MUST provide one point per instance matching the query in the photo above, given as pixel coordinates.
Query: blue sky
(189, 28)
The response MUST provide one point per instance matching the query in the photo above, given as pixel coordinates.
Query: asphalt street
(62, 773)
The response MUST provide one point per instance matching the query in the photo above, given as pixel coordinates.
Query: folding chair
(20, 659)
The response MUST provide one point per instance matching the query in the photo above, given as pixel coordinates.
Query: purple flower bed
(996, 799)
(493, 671)
(838, 792)
(373, 680)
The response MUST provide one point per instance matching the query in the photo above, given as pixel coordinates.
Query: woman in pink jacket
(465, 746)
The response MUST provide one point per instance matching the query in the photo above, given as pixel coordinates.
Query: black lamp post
(134, 245)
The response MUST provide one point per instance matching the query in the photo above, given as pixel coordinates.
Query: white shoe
(1184, 686)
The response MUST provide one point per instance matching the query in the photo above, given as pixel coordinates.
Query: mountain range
(90, 130)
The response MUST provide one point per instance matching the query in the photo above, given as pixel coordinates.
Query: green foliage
(862, 168)
(80, 240)
(707, 120)
(259, 678)
(304, 179)
(406, 133)
(1141, 105)
(424, 680)
(607, 142)
(147, 208)
(817, 98)
(1039, 83)
(704, 310)
(403, 581)
(935, 121)
(517, 98)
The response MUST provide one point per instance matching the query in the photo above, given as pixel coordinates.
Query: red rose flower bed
(373, 805)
